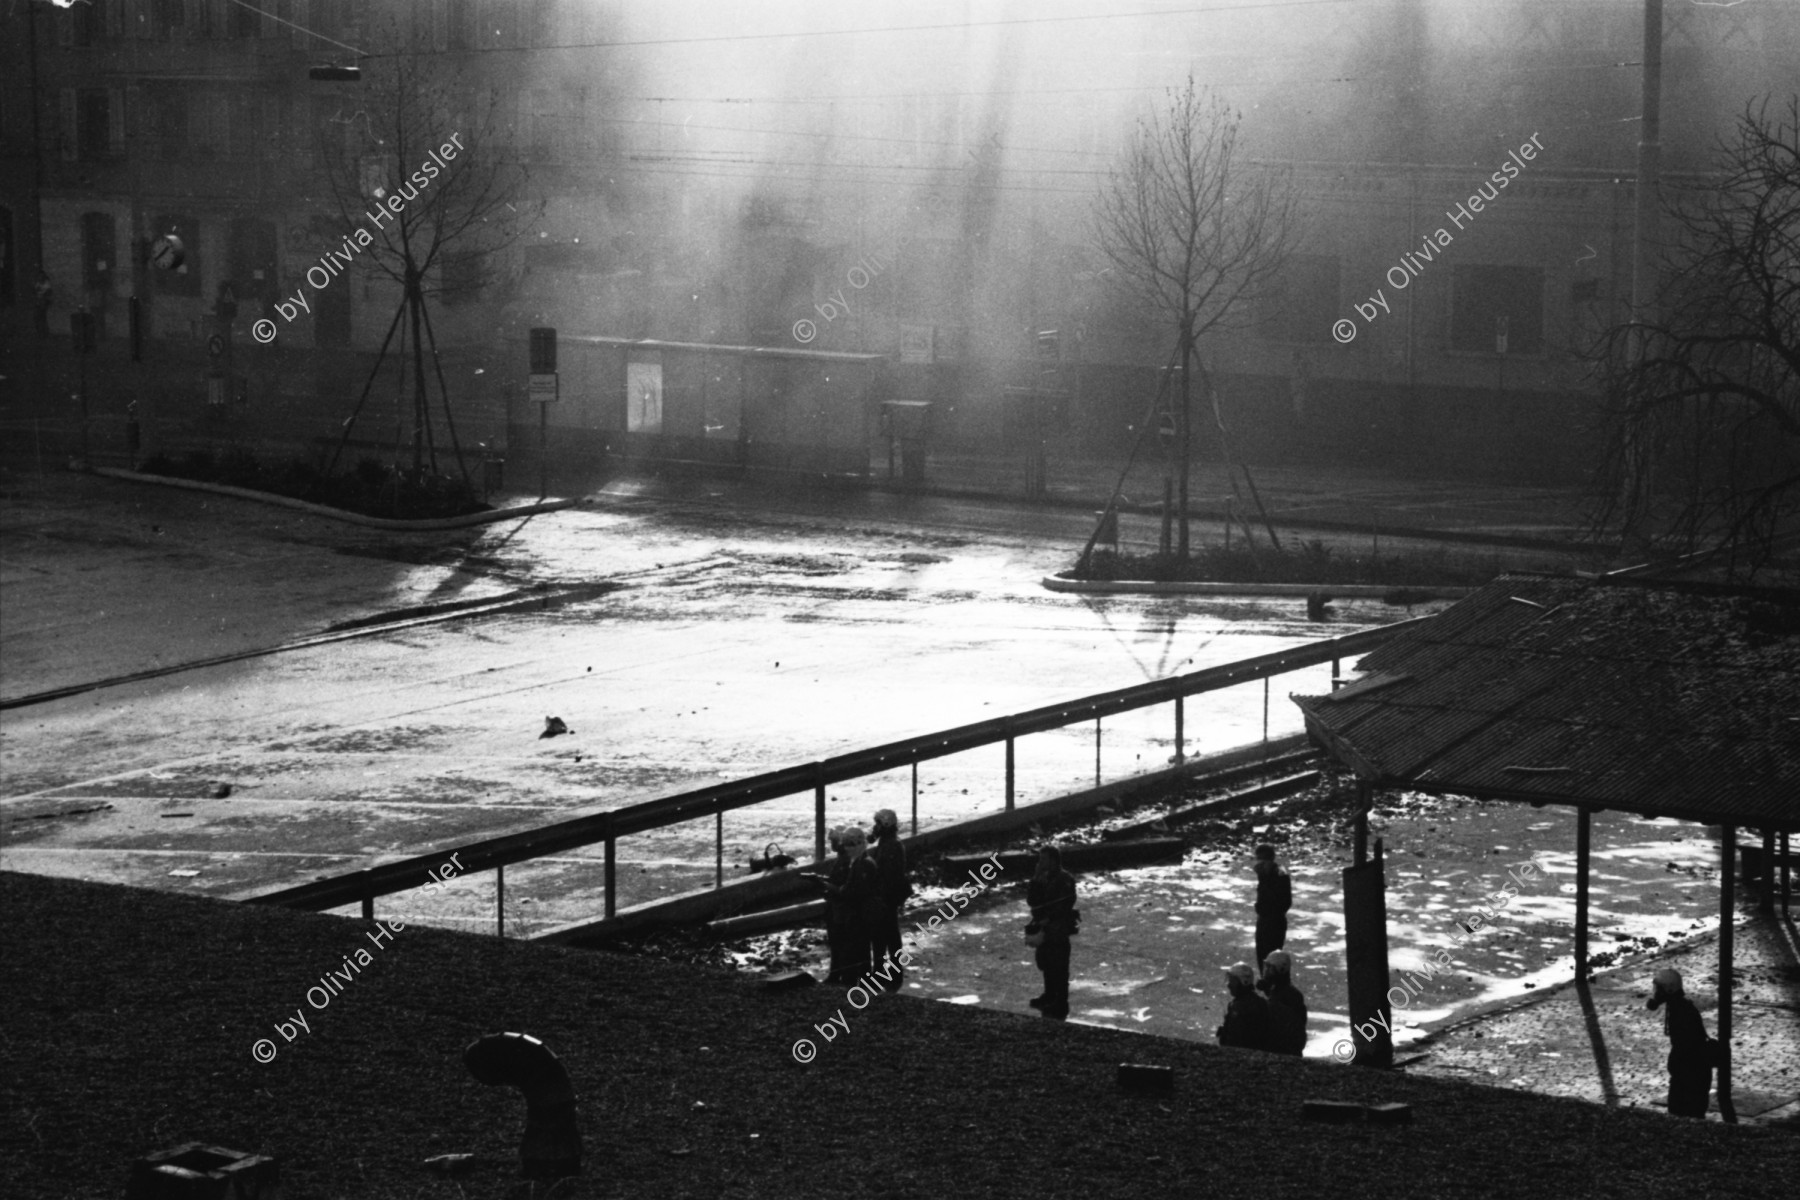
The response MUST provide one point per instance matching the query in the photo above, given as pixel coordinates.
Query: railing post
(719, 846)
(818, 813)
(500, 900)
(1265, 715)
(1335, 680)
(1180, 716)
(612, 873)
(915, 785)
(1007, 725)
(368, 894)
(1096, 751)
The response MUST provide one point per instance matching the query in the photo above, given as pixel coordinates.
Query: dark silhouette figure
(1054, 920)
(1247, 1016)
(1274, 896)
(551, 1147)
(1287, 1007)
(1690, 1049)
(893, 888)
(852, 895)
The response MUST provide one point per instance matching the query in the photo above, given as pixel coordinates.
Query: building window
(461, 21)
(242, 22)
(98, 117)
(8, 272)
(171, 124)
(99, 261)
(169, 18)
(1486, 301)
(185, 279)
(252, 255)
(241, 114)
(463, 275)
(85, 24)
(328, 131)
(1304, 301)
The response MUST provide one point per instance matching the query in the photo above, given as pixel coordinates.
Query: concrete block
(1334, 1112)
(1138, 1077)
(194, 1171)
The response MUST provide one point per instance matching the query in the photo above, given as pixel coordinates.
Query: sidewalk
(1336, 498)
(1607, 1048)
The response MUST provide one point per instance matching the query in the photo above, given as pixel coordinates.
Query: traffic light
(543, 350)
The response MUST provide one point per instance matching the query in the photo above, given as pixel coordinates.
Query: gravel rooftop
(131, 1015)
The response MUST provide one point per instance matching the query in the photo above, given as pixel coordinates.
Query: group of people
(867, 888)
(864, 892)
(1276, 1021)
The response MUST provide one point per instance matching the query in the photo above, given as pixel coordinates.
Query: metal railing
(497, 853)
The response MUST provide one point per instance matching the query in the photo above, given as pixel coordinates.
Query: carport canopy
(1663, 699)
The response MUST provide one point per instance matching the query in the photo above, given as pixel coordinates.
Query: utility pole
(1643, 271)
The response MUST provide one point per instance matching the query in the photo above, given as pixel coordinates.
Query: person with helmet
(1287, 1007)
(1247, 1016)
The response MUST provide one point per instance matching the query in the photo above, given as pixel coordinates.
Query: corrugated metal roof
(1660, 700)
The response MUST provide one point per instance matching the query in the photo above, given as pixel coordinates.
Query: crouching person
(1287, 1007)
(1247, 1016)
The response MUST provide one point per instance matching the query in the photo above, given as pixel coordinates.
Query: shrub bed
(370, 488)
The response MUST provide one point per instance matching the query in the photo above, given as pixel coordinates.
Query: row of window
(252, 268)
(435, 24)
(93, 22)
(176, 123)
(1490, 306)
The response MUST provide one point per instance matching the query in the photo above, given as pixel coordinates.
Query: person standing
(1054, 920)
(1690, 1049)
(1247, 1016)
(1274, 896)
(850, 895)
(1287, 1007)
(893, 888)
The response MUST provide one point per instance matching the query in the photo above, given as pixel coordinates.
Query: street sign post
(542, 388)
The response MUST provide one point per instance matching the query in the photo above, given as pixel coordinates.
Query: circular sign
(167, 253)
(215, 346)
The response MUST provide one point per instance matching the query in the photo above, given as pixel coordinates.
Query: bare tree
(429, 189)
(1196, 235)
(1703, 396)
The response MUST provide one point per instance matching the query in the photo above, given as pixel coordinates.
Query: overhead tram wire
(1277, 81)
(1190, 11)
(280, 20)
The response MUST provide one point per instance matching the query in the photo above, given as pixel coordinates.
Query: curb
(336, 514)
(1094, 504)
(408, 618)
(1345, 591)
